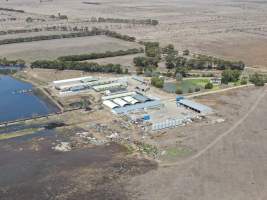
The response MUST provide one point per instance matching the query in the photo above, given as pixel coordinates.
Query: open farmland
(216, 161)
(52, 49)
(226, 28)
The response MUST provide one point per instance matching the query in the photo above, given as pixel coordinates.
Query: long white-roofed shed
(110, 104)
(72, 80)
(120, 102)
(130, 100)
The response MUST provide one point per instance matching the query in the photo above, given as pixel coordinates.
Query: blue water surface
(14, 105)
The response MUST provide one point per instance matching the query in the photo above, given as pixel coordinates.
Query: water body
(15, 105)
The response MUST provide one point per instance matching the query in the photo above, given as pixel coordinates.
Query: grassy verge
(178, 152)
(19, 133)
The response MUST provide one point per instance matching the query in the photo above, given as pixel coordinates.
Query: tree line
(46, 28)
(128, 21)
(151, 59)
(199, 61)
(12, 10)
(106, 54)
(94, 31)
(11, 63)
(75, 65)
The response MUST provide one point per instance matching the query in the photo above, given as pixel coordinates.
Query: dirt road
(231, 166)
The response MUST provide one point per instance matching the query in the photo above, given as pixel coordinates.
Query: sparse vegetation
(7, 63)
(127, 21)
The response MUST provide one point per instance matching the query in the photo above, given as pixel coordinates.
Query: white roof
(130, 99)
(118, 95)
(72, 80)
(61, 87)
(107, 86)
(110, 104)
(120, 102)
(101, 82)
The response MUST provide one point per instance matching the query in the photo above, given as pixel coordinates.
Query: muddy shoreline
(31, 169)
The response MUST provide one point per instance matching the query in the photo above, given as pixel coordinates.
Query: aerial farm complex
(133, 100)
(140, 107)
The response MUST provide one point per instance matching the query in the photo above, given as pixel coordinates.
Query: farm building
(109, 86)
(110, 104)
(124, 94)
(130, 100)
(120, 102)
(216, 80)
(195, 106)
(139, 106)
(74, 80)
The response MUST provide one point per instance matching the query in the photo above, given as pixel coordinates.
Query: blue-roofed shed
(141, 98)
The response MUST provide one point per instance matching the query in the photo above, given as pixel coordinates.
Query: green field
(186, 85)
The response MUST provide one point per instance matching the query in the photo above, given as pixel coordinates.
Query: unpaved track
(230, 167)
(219, 137)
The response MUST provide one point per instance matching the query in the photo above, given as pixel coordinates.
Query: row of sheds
(81, 83)
(124, 101)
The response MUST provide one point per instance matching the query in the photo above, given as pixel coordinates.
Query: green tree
(209, 85)
(157, 82)
(186, 52)
(257, 79)
(230, 75)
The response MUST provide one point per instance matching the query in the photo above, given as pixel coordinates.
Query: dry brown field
(226, 28)
(51, 49)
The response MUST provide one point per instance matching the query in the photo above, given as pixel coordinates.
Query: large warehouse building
(126, 102)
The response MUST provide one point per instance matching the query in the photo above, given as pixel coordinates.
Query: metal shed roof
(126, 109)
(89, 79)
(120, 102)
(124, 94)
(130, 99)
(108, 86)
(110, 104)
(72, 80)
(68, 86)
(195, 106)
(141, 98)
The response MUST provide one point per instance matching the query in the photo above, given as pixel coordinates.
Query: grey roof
(139, 106)
(196, 106)
(141, 98)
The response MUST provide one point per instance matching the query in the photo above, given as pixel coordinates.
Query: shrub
(179, 91)
(209, 85)
(190, 90)
(157, 82)
(243, 81)
(197, 89)
(257, 79)
(186, 52)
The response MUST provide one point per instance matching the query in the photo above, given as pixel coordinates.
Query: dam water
(18, 101)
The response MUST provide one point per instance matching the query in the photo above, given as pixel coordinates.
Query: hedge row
(74, 65)
(94, 31)
(106, 54)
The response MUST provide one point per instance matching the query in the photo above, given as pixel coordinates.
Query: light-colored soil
(232, 168)
(51, 49)
(231, 29)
